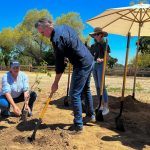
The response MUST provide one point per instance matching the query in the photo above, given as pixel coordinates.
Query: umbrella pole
(99, 115)
(66, 101)
(118, 120)
(136, 62)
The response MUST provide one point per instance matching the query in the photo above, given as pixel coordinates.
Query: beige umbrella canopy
(134, 19)
(123, 20)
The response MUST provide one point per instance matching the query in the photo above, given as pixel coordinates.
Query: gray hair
(42, 22)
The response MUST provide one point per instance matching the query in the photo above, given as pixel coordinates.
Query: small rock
(75, 147)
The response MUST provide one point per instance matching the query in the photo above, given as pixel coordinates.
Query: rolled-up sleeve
(25, 83)
(5, 85)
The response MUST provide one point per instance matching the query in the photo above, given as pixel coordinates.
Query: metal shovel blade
(99, 115)
(24, 115)
(119, 124)
(32, 138)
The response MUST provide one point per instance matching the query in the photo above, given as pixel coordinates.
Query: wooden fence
(115, 71)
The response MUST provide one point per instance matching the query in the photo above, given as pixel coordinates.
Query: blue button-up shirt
(15, 88)
(66, 43)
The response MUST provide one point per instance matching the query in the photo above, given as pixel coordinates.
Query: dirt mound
(130, 104)
(49, 139)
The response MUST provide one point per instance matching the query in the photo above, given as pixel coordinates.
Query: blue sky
(13, 11)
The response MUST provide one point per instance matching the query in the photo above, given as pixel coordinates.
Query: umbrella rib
(117, 19)
(135, 16)
(133, 22)
(147, 15)
(127, 18)
(145, 12)
(107, 15)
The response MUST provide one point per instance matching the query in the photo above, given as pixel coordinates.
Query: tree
(144, 45)
(49, 57)
(31, 43)
(143, 60)
(7, 44)
(73, 20)
(111, 62)
(28, 45)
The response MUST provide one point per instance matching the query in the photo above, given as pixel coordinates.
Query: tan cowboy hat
(98, 30)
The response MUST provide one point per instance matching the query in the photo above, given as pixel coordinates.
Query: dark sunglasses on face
(97, 34)
(15, 68)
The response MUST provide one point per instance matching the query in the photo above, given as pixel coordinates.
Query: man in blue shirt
(15, 89)
(66, 43)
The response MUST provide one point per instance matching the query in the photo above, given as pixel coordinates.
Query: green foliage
(144, 45)
(111, 62)
(30, 42)
(7, 43)
(43, 68)
(143, 60)
(72, 19)
(49, 57)
(27, 45)
(32, 16)
(138, 86)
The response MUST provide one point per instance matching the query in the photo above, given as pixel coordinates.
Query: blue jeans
(5, 105)
(97, 74)
(81, 81)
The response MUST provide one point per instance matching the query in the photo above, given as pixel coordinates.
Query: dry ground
(53, 133)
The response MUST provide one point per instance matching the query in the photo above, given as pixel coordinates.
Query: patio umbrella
(134, 20)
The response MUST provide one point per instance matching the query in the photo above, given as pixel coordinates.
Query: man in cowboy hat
(97, 50)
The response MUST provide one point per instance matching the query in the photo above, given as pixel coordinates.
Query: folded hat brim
(103, 32)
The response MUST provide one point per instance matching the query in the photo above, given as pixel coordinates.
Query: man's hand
(99, 60)
(16, 110)
(54, 87)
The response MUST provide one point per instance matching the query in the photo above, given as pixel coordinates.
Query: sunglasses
(15, 68)
(97, 34)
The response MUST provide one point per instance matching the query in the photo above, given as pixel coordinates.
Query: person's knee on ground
(4, 106)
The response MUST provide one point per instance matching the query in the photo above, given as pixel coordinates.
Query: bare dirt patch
(54, 134)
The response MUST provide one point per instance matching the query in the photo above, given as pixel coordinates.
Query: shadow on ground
(60, 103)
(30, 125)
(136, 116)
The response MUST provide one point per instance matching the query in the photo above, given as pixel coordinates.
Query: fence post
(30, 67)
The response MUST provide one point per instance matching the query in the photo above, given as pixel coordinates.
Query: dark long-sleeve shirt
(66, 43)
(98, 50)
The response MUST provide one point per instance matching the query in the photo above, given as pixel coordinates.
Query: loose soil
(54, 134)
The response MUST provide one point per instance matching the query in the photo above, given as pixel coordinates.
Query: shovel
(119, 121)
(32, 138)
(98, 111)
(25, 110)
(66, 99)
